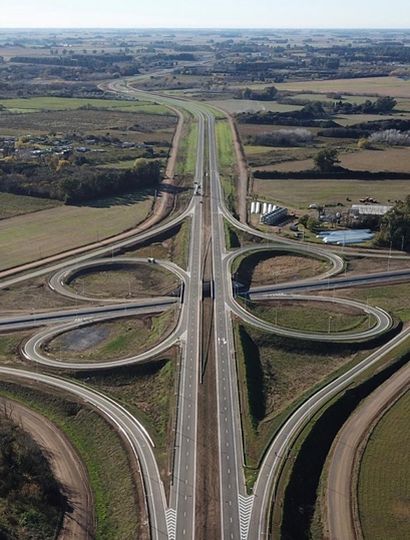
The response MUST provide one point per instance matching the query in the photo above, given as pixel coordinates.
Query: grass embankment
(275, 374)
(186, 161)
(393, 298)
(236, 238)
(148, 391)
(383, 494)
(311, 316)
(172, 245)
(9, 345)
(140, 281)
(300, 482)
(40, 234)
(115, 496)
(15, 205)
(31, 502)
(267, 267)
(226, 160)
(114, 339)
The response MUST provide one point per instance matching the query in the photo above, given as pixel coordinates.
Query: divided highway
(243, 516)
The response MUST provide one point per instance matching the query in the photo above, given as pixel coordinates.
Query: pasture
(34, 236)
(383, 495)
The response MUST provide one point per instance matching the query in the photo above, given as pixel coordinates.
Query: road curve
(341, 521)
(383, 324)
(128, 427)
(59, 281)
(271, 467)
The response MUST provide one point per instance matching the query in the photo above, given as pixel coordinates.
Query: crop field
(384, 86)
(383, 492)
(35, 104)
(15, 205)
(351, 119)
(301, 193)
(37, 235)
(391, 159)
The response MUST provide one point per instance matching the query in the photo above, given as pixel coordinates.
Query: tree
(326, 159)
(385, 104)
(395, 226)
(312, 224)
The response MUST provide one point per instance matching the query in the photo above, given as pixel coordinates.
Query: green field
(16, 205)
(383, 492)
(224, 140)
(34, 236)
(115, 339)
(149, 393)
(274, 374)
(393, 298)
(186, 161)
(388, 160)
(300, 193)
(235, 106)
(310, 316)
(34, 104)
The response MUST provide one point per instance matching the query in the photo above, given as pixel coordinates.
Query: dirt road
(342, 522)
(67, 467)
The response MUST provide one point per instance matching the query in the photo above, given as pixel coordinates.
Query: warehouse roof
(370, 209)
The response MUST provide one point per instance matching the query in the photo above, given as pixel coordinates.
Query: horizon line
(229, 28)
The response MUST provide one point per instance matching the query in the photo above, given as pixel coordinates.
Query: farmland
(300, 193)
(33, 236)
(383, 483)
(385, 86)
(35, 104)
(388, 160)
(15, 205)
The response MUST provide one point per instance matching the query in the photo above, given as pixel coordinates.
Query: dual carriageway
(242, 516)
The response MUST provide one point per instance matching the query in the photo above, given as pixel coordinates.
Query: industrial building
(360, 210)
(275, 216)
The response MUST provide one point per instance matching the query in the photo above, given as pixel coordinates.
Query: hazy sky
(206, 13)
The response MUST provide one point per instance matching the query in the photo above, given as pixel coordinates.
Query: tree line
(73, 184)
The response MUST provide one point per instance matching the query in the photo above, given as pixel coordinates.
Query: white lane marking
(245, 510)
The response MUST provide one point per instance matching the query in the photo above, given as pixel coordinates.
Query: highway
(133, 433)
(242, 516)
(234, 523)
(181, 514)
(271, 466)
